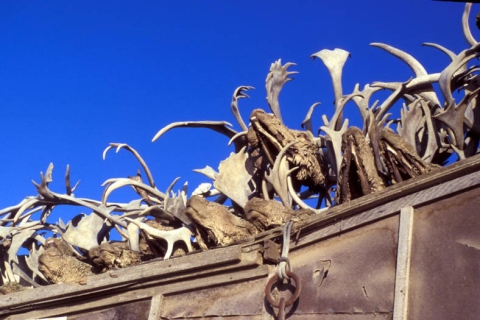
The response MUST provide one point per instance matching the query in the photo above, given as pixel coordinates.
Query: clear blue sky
(77, 75)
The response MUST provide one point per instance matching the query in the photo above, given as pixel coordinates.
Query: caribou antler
(238, 94)
(466, 27)
(277, 176)
(334, 60)
(416, 67)
(307, 122)
(137, 156)
(276, 79)
(222, 127)
(171, 237)
(362, 99)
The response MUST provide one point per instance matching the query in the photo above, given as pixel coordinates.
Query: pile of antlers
(268, 179)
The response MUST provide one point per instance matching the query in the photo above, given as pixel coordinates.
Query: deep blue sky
(77, 75)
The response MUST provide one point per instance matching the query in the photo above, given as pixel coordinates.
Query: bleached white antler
(171, 237)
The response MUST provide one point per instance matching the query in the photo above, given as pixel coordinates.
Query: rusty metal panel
(445, 262)
(237, 299)
(352, 273)
(130, 311)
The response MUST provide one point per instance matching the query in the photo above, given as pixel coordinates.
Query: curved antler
(413, 63)
(334, 60)
(448, 52)
(466, 27)
(275, 81)
(307, 122)
(239, 93)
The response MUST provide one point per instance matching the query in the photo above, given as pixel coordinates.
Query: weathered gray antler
(446, 76)
(276, 79)
(47, 199)
(277, 176)
(417, 128)
(68, 187)
(362, 98)
(137, 156)
(334, 144)
(88, 232)
(297, 199)
(333, 139)
(208, 172)
(413, 63)
(334, 60)
(32, 261)
(234, 174)
(448, 52)
(417, 69)
(176, 204)
(115, 183)
(398, 92)
(171, 237)
(453, 117)
(307, 122)
(466, 27)
(238, 94)
(18, 238)
(222, 127)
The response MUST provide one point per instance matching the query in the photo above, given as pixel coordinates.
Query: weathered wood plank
(328, 226)
(125, 277)
(400, 306)
(154, 313)
(445, 259)
(248, 260)
(384, 198)
(91, 302)
(464, 173)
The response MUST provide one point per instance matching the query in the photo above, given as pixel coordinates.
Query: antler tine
(463, 79)
(466, 27)
(307, 122)
(275, 81)
(334, 145)
(222, 127)
(238, 135)
(432, 142)
(339, 110)
(413, 63)
(448, 52)
(238, 94)
(298, 200)
(278, 174)
(334, 60)
(362, 98)
(181, 234)
(137, 156)
(445, 79)
(390, 101)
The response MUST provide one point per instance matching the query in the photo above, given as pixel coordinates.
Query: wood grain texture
(429, 187)
(400, 307)
(122, 278)
(154, 313)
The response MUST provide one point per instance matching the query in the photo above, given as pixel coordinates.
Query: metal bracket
(271, 251)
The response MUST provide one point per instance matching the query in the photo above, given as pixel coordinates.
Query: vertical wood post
(155, 306)
(400, 307)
